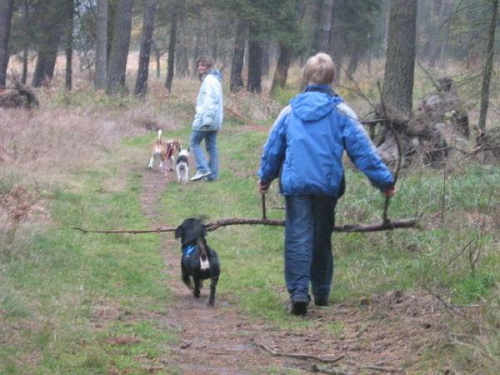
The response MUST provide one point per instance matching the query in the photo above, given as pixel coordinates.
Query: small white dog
(182, 166)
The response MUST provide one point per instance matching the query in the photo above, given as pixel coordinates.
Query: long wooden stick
(389, 225)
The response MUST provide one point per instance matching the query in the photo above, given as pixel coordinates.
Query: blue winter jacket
(306, 143)
(209, 104)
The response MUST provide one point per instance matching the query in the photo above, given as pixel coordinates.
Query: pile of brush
(18, 97)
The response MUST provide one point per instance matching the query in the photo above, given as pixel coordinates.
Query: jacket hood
(216, 74)
(316, 102)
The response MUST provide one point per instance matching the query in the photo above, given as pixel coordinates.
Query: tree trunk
(172, 43)
(325, 32)
(6, 8)
(157, 58)
(69, 45)
(337, 40)
(435, 46)
(281, 72)
(488, 66)
(101, 54)
(254, 83)
(318, 4)
(24, 77)
(46, 59)
(397, 92)
(117, 67)
(236, 81)
(148, 26)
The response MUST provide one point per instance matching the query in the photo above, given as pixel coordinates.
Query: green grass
(69, 295)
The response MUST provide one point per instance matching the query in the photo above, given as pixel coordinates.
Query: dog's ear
(179, 232)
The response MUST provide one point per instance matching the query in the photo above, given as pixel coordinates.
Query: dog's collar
(188, 250)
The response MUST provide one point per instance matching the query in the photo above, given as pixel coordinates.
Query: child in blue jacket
(304, 149)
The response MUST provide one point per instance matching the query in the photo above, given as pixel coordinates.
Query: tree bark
(397, 92)
(120, 47)
(69, 45)
(325, 31)
(435, 46)
(488, 66)
(254, 82)
(236, 81)
(6, 9)
(101, 54)
(148, 26)
(24, 77)
(281, 72)
(172, 44)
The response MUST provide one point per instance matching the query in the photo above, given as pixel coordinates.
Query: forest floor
(388, 333)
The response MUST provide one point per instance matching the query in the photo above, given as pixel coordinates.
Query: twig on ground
(349, 228)
(330, 371)
(445, 304)
(298, 356)
(382, 369)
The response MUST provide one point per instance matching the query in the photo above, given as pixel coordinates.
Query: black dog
(198, 261)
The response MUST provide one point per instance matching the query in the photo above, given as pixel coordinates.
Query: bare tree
(254, 83)
(293, 17)
(150, 7)
(325, 26)
(6, 8)
(397, 91)
(101, 56)
(49, 32)
(176, 13)
(488, 66)
(120, 46)
(236, 80)
(69, 44)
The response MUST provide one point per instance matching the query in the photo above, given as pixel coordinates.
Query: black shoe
(321, 301)
(299, 308)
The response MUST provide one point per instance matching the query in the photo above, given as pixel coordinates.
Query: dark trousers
(308, 250)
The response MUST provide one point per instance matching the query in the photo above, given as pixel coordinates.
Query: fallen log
(348, 228)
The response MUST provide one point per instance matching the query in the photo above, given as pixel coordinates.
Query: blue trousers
(202, 165)
(308, 250)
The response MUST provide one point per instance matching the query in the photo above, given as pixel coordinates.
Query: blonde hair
(319, 70)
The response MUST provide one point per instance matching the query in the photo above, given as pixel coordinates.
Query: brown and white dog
(166, 151)
(182, 166)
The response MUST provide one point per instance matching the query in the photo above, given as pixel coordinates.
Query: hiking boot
(321, 301)
(299, 308)
(199, 175)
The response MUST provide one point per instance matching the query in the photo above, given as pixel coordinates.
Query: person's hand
(390, 192)
(263, 186)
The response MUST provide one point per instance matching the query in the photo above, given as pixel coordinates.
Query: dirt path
(383, 334)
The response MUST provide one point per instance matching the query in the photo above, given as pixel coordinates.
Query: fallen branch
(298, 356)
(387, 225)
(330, 371)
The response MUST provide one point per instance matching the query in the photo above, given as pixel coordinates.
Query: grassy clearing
(83, 304)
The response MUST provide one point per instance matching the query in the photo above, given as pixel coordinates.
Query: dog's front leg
(213, 285)
(185, 277)
(197, 287)
(151, 161)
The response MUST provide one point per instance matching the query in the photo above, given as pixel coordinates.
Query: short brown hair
(319, 70)
(206, 60)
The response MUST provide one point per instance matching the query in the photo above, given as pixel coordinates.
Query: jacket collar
(321, 88)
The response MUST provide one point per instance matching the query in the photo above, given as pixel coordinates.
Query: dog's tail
(204, 263)
(158, 139)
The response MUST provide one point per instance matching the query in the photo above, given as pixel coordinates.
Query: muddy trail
(383, 334)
